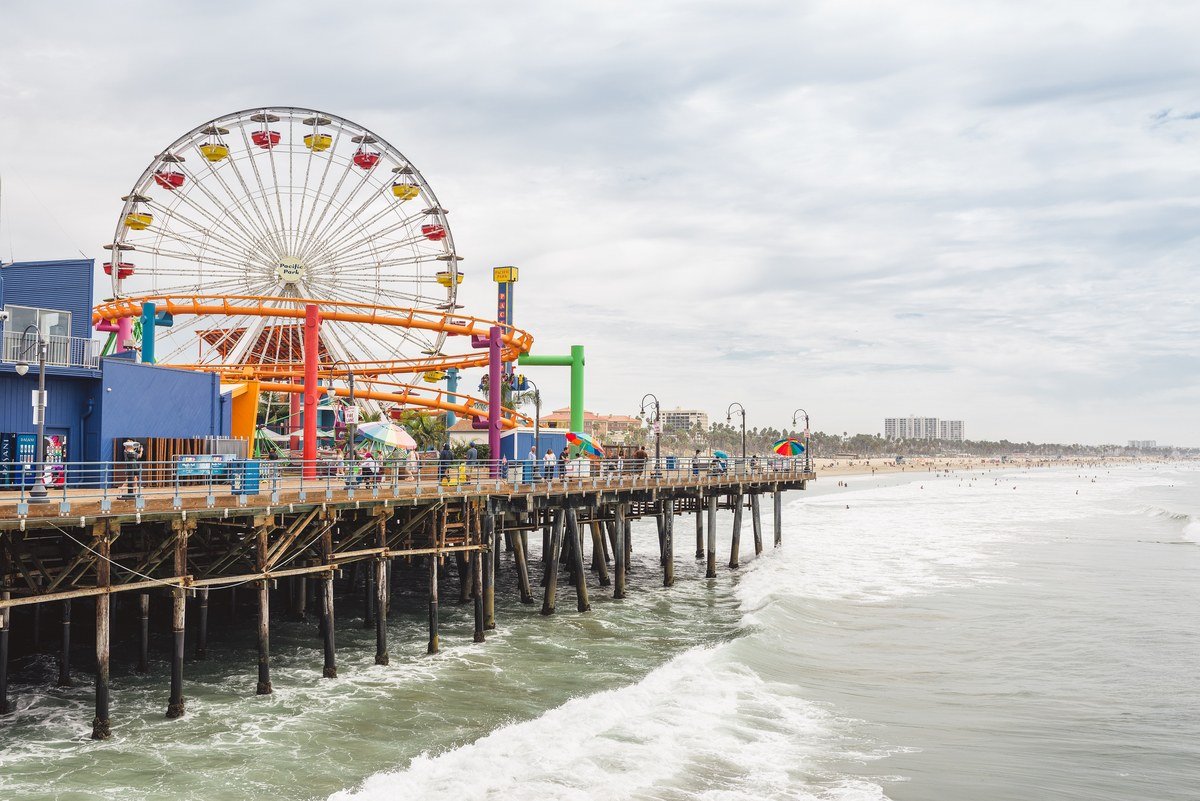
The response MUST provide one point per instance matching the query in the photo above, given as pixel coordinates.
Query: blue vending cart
(244, 476)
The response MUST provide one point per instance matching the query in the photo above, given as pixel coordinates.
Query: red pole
(312, 326)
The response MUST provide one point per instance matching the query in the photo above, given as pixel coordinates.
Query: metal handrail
(60, 351)
(129, 486)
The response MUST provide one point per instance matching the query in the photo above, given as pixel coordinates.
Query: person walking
(639, 460)
(472, 460)
(532, 458)
(563, 460)
(548, 464)
(444, 459)
(696, 464)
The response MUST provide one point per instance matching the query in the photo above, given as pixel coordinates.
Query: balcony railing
(60, 351)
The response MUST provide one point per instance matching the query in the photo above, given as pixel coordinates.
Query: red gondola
(124, 269)
(265, 139)
(366, 158)
(169, 179)
(433, 232)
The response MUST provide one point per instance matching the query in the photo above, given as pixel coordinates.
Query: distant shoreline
(867, 467)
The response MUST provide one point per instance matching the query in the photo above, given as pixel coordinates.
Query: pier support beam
(581, 593)
(433, 604)
(550, 580)
(175, 704)
(101, 729)
(756, 523)
(202, 623)
(735, 547)
(521, 557)
(143, 665)
(264, 615)
(489, 559)
(711, 571)
(64, 654)
(329, 670)
(477, 591)
(620, 531)
(778, 518)
(382, 590)
(668, 518)
(5, 616)
(599, 557)
(299, 598)
(699, 527)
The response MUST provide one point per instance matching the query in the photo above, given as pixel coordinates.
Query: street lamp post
(807, 438)
(657, 424)
(729, 418)
(351, 427)
(38, 493)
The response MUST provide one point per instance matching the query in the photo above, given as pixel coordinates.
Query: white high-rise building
(683, 419)
(927, 428)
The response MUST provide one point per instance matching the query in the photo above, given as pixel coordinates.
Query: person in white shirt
(548, 464)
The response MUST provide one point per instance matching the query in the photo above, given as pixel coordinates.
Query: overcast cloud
(980, 210)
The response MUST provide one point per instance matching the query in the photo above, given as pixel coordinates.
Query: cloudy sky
(981, 210)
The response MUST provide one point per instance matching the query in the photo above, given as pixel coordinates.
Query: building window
(55, 323)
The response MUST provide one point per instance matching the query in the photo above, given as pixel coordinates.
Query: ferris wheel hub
(290, 271)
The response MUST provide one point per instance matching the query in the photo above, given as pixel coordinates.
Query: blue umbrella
(721, 454)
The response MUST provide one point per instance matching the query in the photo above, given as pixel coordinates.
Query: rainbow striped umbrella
(586, 445)
(388, 434)
(788, 447)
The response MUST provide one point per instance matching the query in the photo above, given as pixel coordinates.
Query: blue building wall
(145, 400)
(515, 444)
(64, 285)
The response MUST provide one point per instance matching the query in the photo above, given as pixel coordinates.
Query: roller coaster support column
(494, 343)
(147, 333)
(312, 327)
(451, 390)
(575, 362)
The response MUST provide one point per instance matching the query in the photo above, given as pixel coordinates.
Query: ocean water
(998, 635)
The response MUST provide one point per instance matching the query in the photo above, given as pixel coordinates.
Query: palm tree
(428, 430)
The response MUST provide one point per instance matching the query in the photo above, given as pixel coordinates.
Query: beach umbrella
(720, 454)
(388, 434)
(586, 445)
(789, 446)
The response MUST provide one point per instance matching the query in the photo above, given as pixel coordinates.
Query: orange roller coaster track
(274, 376)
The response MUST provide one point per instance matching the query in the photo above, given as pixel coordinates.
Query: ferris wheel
(277, 204)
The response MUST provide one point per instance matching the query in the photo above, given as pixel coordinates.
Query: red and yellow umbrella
(788, 447)
(586, 445)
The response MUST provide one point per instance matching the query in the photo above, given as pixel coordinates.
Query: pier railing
(211, 480)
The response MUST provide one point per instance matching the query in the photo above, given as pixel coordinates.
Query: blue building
(91, 401)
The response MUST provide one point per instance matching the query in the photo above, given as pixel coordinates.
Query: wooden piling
(660, 523)
(299, 598)
(521, 558)
(202, 623)
(778, 518)
(143, 665)
(5, 616)
(329, 670)
(620, 530)
(489, 559)
(264, 615)
(711, 571)
(550, 580)
(64, 654)
(433, 604)
(735, 547)
(576, 537)
(464, 576)
(175, 704)
(756, 523)
(101, 724)
(668, 518)
(382, 590)
(699, 527)
(477, 591)
(599, 557)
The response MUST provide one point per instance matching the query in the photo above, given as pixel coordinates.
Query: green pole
(575, 362)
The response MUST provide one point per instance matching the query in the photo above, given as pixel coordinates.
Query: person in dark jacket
(444, 459)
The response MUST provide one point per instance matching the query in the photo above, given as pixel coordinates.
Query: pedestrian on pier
(444, 459)
(639, 460)
(532, 458)
(472, 460)
(548, 464)
(696, 464)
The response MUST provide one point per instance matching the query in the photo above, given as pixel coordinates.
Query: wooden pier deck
(295, 537)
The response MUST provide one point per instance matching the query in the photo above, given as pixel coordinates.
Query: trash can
(244, 476)
(671, 463)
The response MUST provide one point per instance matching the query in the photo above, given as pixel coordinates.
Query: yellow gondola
(446, 278)
(138, 220)
(318, 142)
(214, 151)
(405, 191)
(433, 376)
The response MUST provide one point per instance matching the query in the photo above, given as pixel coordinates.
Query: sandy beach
(859, 467)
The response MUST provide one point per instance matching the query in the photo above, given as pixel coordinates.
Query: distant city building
(684, 419)
(1143, 443)
(927, 428)
(607, 428)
